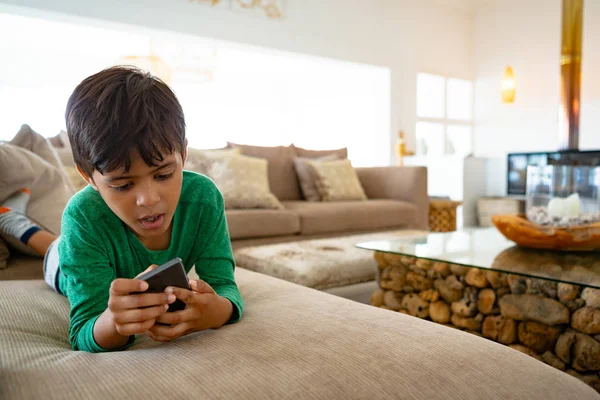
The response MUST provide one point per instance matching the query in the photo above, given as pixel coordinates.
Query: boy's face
(145, 197)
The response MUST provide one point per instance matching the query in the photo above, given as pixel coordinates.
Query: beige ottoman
(333, 265)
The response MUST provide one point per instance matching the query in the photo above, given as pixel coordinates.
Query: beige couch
(293, 343)
(397, 199)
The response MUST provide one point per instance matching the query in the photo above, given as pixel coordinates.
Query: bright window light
(228, 92)
(460, 99)
(431, 96)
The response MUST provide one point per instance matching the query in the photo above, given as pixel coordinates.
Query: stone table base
(558, 324)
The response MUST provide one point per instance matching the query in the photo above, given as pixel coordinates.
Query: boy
(127, 132)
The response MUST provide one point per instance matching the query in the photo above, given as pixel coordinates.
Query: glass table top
(486, 248)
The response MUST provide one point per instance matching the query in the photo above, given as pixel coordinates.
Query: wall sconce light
(509, 85)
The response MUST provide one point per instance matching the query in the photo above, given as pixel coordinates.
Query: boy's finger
(187, 296)
(139, 300)
(177, 317)
(199, 286)
(139, 314)
(169, 332)
(157, 338)
(135, 328)
(125, 286)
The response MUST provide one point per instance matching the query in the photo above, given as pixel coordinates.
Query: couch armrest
(398, 183)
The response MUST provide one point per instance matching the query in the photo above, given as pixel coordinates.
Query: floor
(360, 292)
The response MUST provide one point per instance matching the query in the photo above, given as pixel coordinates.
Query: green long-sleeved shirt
(96, 247)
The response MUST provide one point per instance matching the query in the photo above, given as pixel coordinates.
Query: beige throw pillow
(337, 180)
(65, 155)
(200, 161)
(283, 181)
(244, 182)
(305, 175)
(20, 168)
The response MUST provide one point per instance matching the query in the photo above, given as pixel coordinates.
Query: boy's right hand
(134, 314)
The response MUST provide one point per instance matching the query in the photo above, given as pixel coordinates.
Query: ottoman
(333, 265)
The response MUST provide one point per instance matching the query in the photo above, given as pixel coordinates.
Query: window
(444, 115)
(228, 92)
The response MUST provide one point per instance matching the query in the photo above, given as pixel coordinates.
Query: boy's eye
(165, 176)
(122, 188)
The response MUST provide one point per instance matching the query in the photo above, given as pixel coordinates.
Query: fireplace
(568, 116)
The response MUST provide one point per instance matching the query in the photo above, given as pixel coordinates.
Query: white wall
(526, 34)
(405, 35)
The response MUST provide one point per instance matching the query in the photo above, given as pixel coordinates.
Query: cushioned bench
(293, 342)
(318, 264)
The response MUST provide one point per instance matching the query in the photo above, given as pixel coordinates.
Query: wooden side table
(442, 215)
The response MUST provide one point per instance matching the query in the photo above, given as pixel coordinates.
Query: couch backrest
(341, 154)
(283, 181)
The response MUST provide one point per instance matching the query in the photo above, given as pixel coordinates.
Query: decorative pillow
(305, 175)
(200, 161)
(75, 179)
(337, 180)
(20, 168)
(59, 141)
(4, 254)
(65, 155)
(340, 153)
(282, 176)
(29, 139)
(244, 182)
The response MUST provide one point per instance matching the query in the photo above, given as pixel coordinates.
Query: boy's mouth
(152, 222)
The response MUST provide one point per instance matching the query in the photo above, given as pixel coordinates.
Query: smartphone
(171, 273)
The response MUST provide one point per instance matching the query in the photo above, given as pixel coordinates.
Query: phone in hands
(171, 273)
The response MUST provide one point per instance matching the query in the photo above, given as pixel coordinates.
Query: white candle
(569, 207)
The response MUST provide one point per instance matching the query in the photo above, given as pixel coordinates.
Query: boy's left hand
(204, 309)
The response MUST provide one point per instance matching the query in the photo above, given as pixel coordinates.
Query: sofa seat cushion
(292, 342)
(342, 216)
(22, 267)
(254, 223)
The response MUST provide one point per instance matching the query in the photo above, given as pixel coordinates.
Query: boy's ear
(87, 178)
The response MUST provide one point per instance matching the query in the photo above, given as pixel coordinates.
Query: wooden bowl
(528, 234)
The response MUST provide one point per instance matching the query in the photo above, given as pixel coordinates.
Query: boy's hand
(205, 309)
(136, 313)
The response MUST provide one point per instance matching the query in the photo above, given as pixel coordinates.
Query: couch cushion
(244, 182)
(340, 153)
(282, 175)
(244, 224)
(292, 342)
(358, 215)
(49, 188)
(305, 175)
(29, 139)
(4, 253)
(22, 267)
(337, 181)
(200, 161)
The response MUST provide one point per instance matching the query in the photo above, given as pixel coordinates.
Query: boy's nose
(147, 198)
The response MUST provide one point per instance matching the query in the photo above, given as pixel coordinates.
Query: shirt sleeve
(88, 274)
(215, 263)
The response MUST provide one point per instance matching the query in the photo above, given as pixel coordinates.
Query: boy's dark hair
(118, 110)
